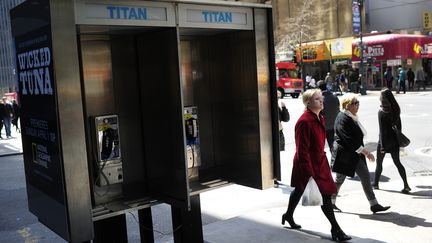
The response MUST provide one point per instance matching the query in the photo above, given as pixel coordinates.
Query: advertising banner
(31, 28)
(393, 46)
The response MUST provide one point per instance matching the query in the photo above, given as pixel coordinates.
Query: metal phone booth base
(137, 103)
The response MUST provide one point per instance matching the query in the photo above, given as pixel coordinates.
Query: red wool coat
(310, 158)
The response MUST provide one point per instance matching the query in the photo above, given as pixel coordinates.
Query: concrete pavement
(241, 214)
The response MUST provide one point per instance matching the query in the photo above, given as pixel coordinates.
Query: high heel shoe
(339, 236)
(406, 190)
(378, 208)
(290, 222)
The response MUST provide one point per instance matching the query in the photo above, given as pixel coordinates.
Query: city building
(7, 67)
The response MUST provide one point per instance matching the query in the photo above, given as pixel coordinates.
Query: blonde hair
(307, 96)
(347, 99)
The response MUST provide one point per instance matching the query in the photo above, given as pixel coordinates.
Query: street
(239, 214)
(416, 116)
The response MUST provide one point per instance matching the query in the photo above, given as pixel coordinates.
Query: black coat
(331, 109)
(348, 138)
(387, 137)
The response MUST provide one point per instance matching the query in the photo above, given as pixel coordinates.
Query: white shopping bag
(312, 195)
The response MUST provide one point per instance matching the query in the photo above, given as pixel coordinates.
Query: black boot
(378, 208)
(339, 236)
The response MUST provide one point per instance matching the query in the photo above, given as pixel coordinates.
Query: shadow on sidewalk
(423, 194)
(403, 220)
(323, 236)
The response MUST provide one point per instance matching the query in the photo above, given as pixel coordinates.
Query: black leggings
(326, 207)
(396, 160)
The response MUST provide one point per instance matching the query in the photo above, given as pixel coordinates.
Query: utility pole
(361, 69)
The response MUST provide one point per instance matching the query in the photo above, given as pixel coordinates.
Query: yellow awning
(340, 47)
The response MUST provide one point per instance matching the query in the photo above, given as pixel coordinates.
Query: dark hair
(394, 109)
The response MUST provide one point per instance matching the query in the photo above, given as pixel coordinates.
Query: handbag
(401, 138)
(284, 114)
(312, 195)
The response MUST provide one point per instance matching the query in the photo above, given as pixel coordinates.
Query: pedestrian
(421, 80)
(6, 111)
(388, 76)
(310, 161)
(342, 81)
(410, 76)
(329, 81)
(283, 117)
(359, 84)
(312, 83)
(308, 80)
(388, 116)
(349, 153)
(401, 80)
(330, 111)
(16, 111)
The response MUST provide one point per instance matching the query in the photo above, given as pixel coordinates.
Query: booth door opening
(218, 71)
(132, 75)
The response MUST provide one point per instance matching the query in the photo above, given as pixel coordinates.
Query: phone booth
(127, 104)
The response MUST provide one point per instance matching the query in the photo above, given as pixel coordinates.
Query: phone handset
(107, 143)
(191, 128)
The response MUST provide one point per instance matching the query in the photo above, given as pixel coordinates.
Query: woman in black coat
(349, 152)
(389, 115)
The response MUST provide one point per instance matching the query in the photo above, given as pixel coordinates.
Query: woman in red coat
(310, 161)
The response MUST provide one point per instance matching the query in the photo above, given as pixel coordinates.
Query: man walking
(330, 111)
(401, 80)
(410, 77)
(6, 112)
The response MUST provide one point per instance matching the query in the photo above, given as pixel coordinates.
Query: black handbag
(401, 138)
(284, 114)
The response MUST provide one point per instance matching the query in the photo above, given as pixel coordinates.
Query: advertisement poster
(356, 22)
(39, 121)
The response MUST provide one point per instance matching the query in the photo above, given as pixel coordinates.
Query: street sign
(427, 21)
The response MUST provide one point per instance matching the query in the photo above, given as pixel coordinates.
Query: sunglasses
(356, 103)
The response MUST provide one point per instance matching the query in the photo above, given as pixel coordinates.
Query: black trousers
(396, 160)
(402, 86)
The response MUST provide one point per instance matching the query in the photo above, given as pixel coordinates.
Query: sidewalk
(254, 216)
(237, 214)
(10, 146)
(259, 215)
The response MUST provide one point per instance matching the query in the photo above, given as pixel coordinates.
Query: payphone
(109, 162)
(192, 141)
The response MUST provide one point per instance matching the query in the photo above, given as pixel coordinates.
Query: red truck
(288, 82)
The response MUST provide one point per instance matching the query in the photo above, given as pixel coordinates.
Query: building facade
(399, 16)
(7, 67)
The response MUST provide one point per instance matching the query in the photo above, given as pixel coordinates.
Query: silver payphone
(109, 162)
(193, 156)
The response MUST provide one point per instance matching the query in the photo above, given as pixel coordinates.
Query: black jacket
(331, 109)
(387, 137)
(348, 138)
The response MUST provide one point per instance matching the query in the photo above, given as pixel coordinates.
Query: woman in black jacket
(349, 153)
(388, 116)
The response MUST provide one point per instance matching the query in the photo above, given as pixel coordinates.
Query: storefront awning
(325, 50)
(393, 46)
(313, 51)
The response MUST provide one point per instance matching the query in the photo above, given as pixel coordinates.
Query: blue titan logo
(217, 17)
(133, 13)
